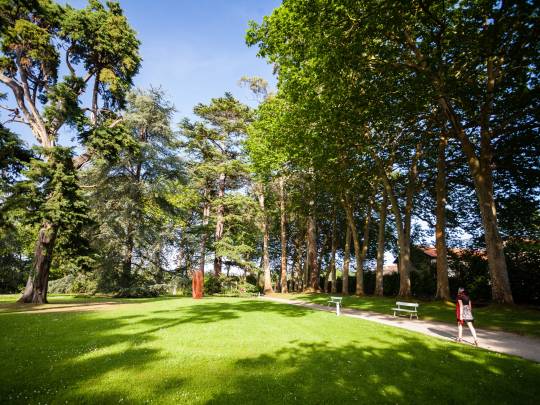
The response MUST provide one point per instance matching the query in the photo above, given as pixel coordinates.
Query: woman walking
(464, 314)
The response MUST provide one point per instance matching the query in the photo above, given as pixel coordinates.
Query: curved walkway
(501, 342)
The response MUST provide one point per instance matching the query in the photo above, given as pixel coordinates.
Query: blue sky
(194, 49)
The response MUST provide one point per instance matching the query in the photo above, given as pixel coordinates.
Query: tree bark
(333, 254)
(283, 234)
(322, 254)
(482, 173)
(306, 273)
(346, 261)
(312, 251)
(409, 194)
(266, 237)
(363, 254)
(379, 272)
(36, 287)
(480, 168)
(297, 265)
(404, 248)
(218, 260)
(356, 244)
(443, 290)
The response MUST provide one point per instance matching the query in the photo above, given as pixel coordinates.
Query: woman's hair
(461, 293)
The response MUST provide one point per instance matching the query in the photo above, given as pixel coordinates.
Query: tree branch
(39, 125)
(81, 160)
(68, 63)
(18, 93)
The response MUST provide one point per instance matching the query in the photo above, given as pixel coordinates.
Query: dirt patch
(48, 308)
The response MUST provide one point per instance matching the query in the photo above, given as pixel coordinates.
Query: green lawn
(518, 319)
(241, 351)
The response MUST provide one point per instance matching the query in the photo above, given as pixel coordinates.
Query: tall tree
(283, 233)
(379, 271)
(95, 43)
(476, 62)
(226, 120)
(139, 184)
(443, 290)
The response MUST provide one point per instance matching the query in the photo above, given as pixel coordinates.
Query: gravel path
(501, 342)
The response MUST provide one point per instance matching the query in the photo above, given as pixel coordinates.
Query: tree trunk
(322, 254)
(125, 277)
(404, 248)
(379, 274)
(333, 254)
(500, 283)
(357, 249)
(298, 277)
(482, 174)
(443, 290)
(410, 192)
(198, 275)
(363, 254)
(218, 260)
(312, 251)
(266, 237)
(346, 262)
(283, 235)
(306, 273)
(36, 287)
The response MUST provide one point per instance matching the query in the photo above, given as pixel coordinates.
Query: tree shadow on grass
(208, 312)
(71, 357)
(60, 352)
(410, 373)
(46, 355)
(57, 303)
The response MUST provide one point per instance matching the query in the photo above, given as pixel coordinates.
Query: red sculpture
(197, 283)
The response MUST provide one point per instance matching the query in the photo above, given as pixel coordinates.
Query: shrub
(212, 285)
(61, 285)
(523, 261)
(229, 286)
(74, 284)
(142, 291)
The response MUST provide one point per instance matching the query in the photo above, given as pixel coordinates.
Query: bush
(74, 284)
(212, 285)
(13, 273)
(471, 272)
(61, 285)
(179, 286)
(143, 291)
(523, 261)
(390, 284)
(245, 288)
(230, 286)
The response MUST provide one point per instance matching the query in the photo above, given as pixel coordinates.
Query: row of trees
(417, 105)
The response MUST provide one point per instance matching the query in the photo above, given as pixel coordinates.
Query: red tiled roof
(432, 252)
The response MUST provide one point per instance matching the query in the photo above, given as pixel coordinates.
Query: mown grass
(242, 351)
(511, 318)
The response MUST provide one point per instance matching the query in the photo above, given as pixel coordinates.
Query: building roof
(432, 251)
